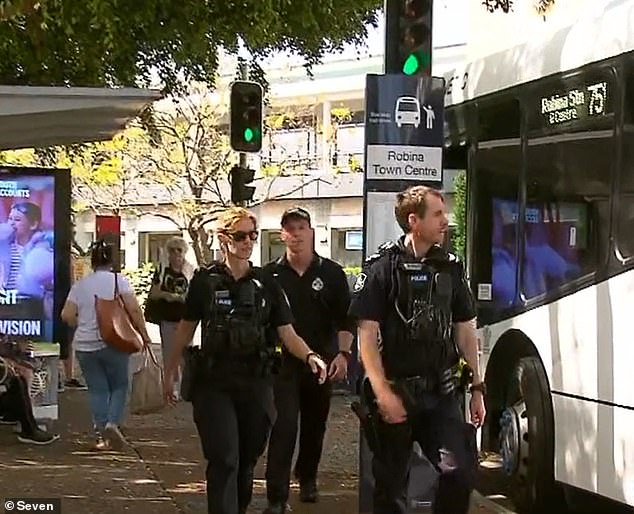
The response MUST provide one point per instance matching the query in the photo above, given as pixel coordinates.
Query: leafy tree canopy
(123, 42)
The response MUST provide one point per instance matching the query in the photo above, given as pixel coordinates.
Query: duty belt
(412, 387)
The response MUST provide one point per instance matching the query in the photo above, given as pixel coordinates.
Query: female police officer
(242, 311)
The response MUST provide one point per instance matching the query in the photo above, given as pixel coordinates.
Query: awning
(32, 117)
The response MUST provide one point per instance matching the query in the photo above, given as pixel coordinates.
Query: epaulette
(389, 247)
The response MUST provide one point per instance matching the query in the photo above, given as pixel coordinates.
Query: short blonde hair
(233, 215)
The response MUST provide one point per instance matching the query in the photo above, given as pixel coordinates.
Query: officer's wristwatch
(478, 387)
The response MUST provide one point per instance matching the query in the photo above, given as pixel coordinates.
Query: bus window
(625, 215)
(567, 208)
(494, 234)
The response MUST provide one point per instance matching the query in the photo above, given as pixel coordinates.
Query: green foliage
(101, 180)
(140, 280)
(352, 270)
(460, 213)
(103, 42)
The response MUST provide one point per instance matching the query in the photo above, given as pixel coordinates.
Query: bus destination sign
(575, 104)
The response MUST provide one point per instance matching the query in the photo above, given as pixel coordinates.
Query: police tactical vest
(417, 335)
(235, 324)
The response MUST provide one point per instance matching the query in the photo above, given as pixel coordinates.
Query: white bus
(546, 133)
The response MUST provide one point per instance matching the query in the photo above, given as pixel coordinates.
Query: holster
(367, 411)
(192, 371)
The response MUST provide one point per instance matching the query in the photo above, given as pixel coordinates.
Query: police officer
(415, 295)
(319, 296)
(243, 313)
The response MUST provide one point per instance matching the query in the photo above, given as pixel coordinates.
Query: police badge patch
(317, 284)
(360, 282)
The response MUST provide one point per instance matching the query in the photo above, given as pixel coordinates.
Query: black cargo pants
(298, 395)
(448, 442)
(233, 425)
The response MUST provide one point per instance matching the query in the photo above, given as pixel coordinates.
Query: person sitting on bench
(16, 407)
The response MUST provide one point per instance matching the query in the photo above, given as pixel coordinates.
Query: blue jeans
(106, 375)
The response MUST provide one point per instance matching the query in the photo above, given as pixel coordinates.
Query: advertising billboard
(34, 252)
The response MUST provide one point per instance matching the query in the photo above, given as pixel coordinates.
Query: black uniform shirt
(200, 295)
(374, 289)
(320, 299)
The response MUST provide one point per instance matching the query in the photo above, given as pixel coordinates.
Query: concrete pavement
(162, 471)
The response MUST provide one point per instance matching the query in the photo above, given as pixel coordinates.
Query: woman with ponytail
(105, 368)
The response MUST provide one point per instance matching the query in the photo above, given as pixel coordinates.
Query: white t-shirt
(82, 294)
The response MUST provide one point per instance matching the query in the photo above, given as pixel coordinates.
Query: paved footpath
(162, 472)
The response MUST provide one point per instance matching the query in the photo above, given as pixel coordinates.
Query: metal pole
(244, 75)
(392, 35)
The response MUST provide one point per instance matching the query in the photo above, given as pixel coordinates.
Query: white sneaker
(115, 438)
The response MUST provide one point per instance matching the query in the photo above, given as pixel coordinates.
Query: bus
(545, 132)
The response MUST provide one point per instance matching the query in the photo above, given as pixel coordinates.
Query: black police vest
(417, 335)
(235, 325)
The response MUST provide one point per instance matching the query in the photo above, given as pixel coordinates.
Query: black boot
(275, 508)
(308, 492)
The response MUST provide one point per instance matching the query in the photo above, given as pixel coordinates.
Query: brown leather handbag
(115, 323)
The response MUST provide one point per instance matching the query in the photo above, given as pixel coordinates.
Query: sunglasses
(176, 249)
(240, 235)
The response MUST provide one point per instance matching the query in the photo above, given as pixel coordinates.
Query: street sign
(404, 128)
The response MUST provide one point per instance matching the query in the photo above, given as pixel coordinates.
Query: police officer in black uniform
(415, 297)
(244, 312)
(319, 296)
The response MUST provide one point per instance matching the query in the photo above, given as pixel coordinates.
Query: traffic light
(246, 116)
(239, 178)
(415, 36)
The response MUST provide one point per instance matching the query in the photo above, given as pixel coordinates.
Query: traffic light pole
(244, 75)
(392, 36)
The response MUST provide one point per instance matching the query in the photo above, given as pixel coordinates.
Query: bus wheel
(527, 439)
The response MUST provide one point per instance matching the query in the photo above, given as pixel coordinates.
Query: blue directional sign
(404, 127)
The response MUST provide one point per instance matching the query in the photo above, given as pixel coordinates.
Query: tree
(100, 42)
(102, 180)
(189, 159)
(541, 6)
(460, 215)
(177, 172)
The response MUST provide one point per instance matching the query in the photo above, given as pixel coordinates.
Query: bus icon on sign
(407, 111)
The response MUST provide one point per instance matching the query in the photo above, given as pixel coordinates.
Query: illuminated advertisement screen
(34, 252)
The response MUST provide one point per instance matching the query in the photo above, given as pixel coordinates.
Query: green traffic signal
(411, 65)
(414, 62)
(251, 134)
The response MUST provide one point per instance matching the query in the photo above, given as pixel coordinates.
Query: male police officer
(319, 296)
(240, 307)
(416, 296)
